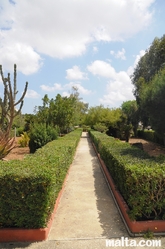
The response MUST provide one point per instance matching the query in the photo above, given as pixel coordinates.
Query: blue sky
(91, 44)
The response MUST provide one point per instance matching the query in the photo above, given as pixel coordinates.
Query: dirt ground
(18, 152)
(151, 148)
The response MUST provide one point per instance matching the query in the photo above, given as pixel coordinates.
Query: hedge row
(29, 188)
(151, 135)
(139, 177)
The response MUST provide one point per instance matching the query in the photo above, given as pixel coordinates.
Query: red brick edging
(135, 227)
(22, 235)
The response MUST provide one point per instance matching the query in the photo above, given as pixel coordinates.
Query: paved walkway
(86, 215)
(86, 210)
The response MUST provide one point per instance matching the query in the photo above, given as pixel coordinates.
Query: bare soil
(18, 152)
(152, 149)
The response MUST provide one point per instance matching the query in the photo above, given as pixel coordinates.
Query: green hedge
(139, 177)
(150, 135)
(29, 188)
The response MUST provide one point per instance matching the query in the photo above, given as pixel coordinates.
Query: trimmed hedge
(139, 177)
(150, 135)
(29, 188)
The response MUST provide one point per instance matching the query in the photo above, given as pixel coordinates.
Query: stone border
(136, 228)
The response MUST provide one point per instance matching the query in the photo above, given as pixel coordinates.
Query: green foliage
(148, 234)
(104, 116)
(41, 135)
(130, 109)
(24, 140)
(100, 127)
(150, 135)
(28, 189)
(148, 85)
(139, 177)
(153, 102)
(19, 131)
(64, 112)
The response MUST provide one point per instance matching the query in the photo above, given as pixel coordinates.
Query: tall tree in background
(131, 111)
(153, 101)
(148, 66)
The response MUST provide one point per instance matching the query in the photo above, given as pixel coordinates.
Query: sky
(92, 45)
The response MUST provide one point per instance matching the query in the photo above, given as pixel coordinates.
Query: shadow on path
(109, 217)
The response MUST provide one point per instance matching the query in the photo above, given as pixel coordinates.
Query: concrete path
(86, 215)
(86, 210)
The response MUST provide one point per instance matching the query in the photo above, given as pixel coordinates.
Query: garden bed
(138, 178)
(135, 228)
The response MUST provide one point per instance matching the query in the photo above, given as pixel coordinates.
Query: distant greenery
(149, 86)
(61, 112)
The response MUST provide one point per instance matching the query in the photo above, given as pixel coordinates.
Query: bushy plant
(19, 131)
(24, 140)
(100, 127)
(151, 135)
(40, 135)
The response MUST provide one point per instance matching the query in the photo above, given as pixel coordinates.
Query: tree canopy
(149, 85)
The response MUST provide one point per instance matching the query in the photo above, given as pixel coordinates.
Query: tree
(148, 66)
(130, 109)
(62, 112)
(103, 119)
(154, 103)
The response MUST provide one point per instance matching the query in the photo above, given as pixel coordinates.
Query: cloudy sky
(91, 44)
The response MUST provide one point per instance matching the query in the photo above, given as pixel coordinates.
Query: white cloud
(119, 55)
(69, 86)
(80, 88)
(24, 56)
(119, 86)
(31, 94)
(65, 94)
(64, 28)
(75, 74)
(101, 68)
(55, 87)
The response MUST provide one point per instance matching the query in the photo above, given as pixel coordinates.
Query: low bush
(29, 188)
(24, 140)
(151, 135)
(139, 177)
(40, 135)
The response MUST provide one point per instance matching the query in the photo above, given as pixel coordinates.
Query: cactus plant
(8, 105)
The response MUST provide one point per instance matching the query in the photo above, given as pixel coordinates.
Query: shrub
(41, 135)
(24, 140)
(19, 131)
(28, 189)
(139, 177)
(151, 135)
